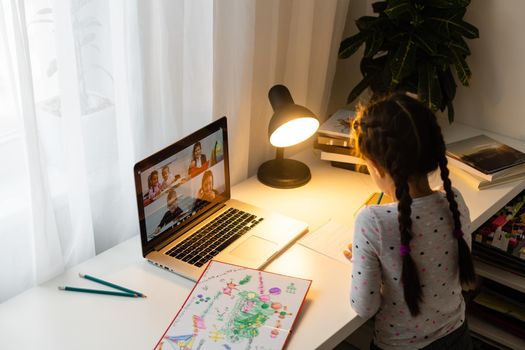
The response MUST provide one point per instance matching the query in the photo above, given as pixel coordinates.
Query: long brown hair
(402, 136)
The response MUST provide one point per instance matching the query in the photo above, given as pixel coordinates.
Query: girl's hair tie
(458, 233)
(404, 250)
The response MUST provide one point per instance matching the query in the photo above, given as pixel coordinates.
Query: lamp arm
(279, 153)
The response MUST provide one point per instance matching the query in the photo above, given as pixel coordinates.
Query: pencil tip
(81, 275)
(61, 288)
(144, 296)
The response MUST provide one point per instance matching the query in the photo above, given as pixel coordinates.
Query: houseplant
(414, 46)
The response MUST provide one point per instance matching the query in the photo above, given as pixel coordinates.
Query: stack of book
(484, 162)
(335, 143)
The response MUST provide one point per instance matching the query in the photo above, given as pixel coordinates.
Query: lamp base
(283, 173)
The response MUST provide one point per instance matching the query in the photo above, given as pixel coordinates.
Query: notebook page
(330, 240)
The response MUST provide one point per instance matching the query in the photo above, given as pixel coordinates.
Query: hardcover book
(233, 307)
(342, 158)
(481, 184)
(338, 125)
(334, 141)
(485, 157)
(335, 149)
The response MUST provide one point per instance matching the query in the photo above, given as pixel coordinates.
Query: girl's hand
(348, 252)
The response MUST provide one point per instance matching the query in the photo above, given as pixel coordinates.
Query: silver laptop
(187, 217)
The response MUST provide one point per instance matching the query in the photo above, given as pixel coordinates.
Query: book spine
(333, 141)
(344, 158)
(335, 149)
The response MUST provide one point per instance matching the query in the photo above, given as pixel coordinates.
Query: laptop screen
(178, 183)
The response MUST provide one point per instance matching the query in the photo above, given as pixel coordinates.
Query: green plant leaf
(450, 110)
(428, 88)
(455, 14)
(396, 8)
(448, 85)
(425, 43)
(359, 88)
(450, 24)
(350, 45)
(468, 30)
(379, 6)
(403, 61)
(447, 3)
(462, 68)
(459, 44)
(373, 43)
(370, 66)
(366, 22)
(382, 80)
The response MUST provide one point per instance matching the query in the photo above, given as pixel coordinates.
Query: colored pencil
(112, 285)
(97, 291)
(380, 197)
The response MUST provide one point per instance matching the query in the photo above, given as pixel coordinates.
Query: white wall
(347, 73)
(495, 99)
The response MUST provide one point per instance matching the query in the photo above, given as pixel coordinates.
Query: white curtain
(89, 87)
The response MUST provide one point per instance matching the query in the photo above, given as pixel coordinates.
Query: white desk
(46, 318)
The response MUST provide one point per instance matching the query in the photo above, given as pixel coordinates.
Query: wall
(494, 100)
(347, 73)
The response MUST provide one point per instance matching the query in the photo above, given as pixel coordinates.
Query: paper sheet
(330, 240)
(232, 307)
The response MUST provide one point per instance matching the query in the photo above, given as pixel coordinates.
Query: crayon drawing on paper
(233, 307)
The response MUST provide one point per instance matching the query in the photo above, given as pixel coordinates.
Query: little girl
(153, 185)
(207, 192)
(410, 258)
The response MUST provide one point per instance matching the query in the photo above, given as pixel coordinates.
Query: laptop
(187, 216)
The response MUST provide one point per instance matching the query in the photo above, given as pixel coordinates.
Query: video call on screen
(181, 185)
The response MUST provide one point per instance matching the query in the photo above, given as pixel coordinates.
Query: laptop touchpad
(254, 247)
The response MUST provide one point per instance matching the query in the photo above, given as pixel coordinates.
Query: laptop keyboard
(211, 239)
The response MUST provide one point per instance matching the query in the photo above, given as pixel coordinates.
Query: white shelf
(501, 276)
(485, 329)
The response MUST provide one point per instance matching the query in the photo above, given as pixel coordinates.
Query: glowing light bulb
(294, 131)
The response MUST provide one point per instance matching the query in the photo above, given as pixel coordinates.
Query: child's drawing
(249, 310)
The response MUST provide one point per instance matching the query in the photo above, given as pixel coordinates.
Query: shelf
(487, 330)
(501, 276)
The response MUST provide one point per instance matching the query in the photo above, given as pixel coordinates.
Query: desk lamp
(290, 125)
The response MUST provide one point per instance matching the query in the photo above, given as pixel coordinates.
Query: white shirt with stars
(376, 272)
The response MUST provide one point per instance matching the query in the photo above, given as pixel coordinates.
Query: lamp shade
(289, 125)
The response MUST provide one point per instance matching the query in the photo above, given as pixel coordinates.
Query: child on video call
(198, 161)
(410, 258)
(173, 212)
(207, 192)
(168, 180)
(153, 185)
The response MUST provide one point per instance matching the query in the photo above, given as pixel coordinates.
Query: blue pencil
(112, 285)
(97, 291)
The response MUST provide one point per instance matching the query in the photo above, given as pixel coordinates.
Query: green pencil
(380, 197)
(97, 291)
(112, 285)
